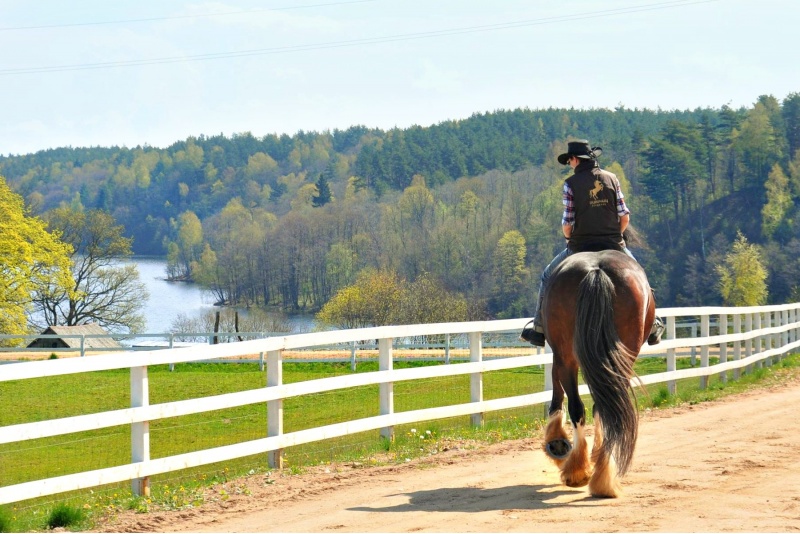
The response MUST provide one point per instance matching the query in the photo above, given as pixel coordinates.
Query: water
(170, 299)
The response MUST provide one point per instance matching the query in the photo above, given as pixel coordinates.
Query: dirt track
(725, 466)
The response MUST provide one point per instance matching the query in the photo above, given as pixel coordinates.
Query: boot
(655, 333)
(533, 334)
(658, 325)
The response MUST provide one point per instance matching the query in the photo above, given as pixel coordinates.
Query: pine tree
(323, 195)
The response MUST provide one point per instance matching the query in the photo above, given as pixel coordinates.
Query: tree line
(471, 207)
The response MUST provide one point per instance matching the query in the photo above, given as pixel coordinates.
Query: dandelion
(413, 430)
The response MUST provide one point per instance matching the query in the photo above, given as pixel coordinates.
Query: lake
(170, 299)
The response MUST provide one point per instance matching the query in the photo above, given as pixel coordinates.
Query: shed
(93, 338)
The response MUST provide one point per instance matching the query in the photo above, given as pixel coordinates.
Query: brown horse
(597, 313)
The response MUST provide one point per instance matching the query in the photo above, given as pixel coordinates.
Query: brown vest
(595, 197)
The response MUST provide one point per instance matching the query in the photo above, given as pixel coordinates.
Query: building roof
(88, 330)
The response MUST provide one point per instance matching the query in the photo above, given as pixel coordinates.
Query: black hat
(580, 149)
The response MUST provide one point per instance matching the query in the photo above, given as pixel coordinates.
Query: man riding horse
(595, 217)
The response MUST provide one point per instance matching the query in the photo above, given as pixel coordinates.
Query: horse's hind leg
(604, 481)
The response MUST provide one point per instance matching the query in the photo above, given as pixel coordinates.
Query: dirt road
(725, 466)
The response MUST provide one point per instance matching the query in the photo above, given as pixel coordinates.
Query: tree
(323, 195)
(103, 291)
(742, 276)
(510, 273)
(185, 250)
(381, 298)
(672, 170)
(426, 300)
(779, 201)
(30, 257)
(756, 143)
(791, 118)
(374, 300)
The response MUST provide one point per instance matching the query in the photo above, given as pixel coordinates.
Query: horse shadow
(473, 500)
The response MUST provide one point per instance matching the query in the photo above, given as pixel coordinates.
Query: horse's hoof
(558, 449)
(576, 482)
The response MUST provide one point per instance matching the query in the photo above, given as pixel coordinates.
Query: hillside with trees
(467, 209)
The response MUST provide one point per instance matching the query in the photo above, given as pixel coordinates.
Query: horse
(597, 313)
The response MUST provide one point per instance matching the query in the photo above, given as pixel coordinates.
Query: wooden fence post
(548, 386)
(275, 407)
(671, 363)
(476, 379)
(785, 333)
(705, 330)
(748, 345)
(737, 345)
(758, 346)
(723, 347)
(385, 363)
(140, 432)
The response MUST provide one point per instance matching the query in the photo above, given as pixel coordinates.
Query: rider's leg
(537, 334)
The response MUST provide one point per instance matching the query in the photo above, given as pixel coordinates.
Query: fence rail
(745, 338)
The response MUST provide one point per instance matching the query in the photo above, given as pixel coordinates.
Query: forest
(464, 212)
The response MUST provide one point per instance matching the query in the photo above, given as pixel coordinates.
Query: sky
(152, 72)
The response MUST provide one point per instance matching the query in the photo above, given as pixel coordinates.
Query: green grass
(64, 516)
(45, 398)
(6, 519)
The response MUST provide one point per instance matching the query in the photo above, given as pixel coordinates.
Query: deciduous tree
(742, 276)
(779, 201)
(30, 257)
(103, 291)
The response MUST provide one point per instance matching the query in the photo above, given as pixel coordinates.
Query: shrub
(5, 520)
(64, 515)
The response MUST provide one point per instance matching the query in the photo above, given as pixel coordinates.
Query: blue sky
(128, 73)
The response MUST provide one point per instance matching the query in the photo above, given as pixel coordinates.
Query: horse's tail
(607, 366)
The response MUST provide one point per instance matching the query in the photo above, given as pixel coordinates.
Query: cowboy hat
(580, 149)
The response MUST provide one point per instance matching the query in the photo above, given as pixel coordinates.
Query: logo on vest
(593, 200)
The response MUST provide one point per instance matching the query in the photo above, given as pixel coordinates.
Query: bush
(5, 520)
(64, 515)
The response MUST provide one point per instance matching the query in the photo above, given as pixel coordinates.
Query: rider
(595, 216)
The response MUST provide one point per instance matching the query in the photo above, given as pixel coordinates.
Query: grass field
(54, 397)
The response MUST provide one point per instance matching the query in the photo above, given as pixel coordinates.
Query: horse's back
(633, 305)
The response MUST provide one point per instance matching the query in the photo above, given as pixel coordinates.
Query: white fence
(745, 337)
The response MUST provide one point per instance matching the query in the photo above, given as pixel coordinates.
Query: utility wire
(357, 42)
(177, 17)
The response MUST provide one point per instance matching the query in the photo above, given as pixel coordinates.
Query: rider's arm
(623, 222)
(568, 217)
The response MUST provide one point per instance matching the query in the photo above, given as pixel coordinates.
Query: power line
(357, 42)
(178, 17)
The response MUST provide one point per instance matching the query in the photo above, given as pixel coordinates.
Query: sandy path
(725, 466)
